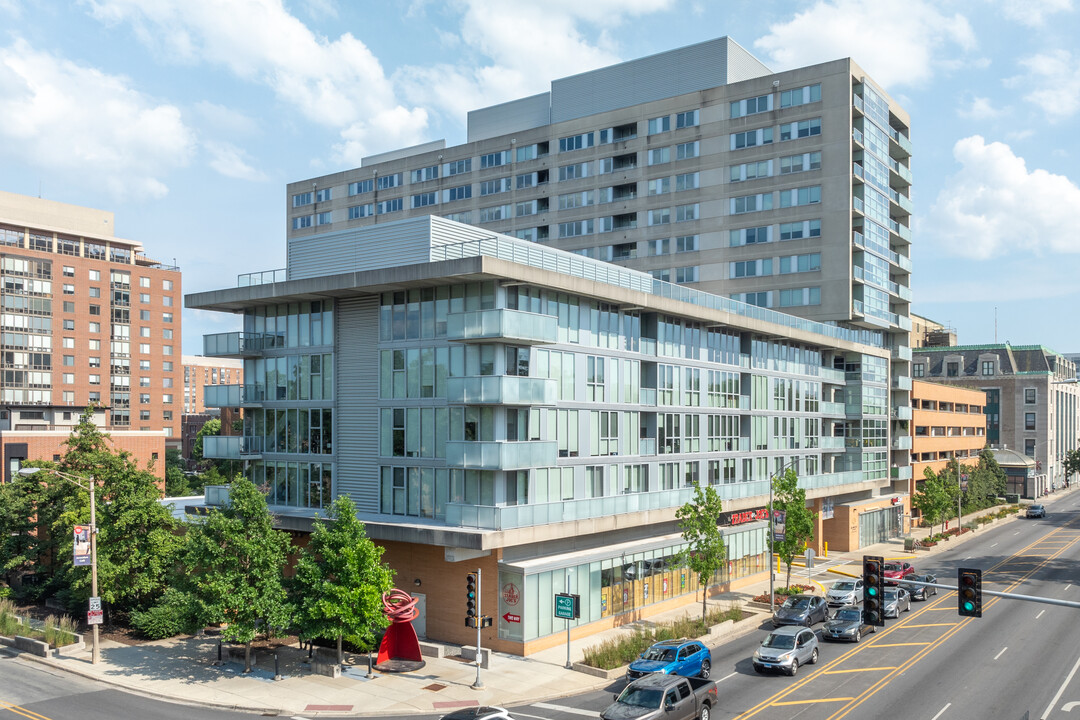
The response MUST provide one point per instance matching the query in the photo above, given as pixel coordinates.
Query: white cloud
(978, 108)
(337, 83)
(230, 161)
(556, 46)
(126, 144)
(1033, 13)
(995, 206)
(1055, 81)
(897, 42)
(227, 120)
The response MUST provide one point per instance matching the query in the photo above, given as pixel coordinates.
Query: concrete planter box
(30, 645)
(73, 649)
(727, 630)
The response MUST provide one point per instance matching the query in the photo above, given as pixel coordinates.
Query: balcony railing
(832, 375)
(901, 170)
(232, 447)
(901, 473)
(501, 325)
(902, 412)
(226, 396)
(832, 443)
(490, 517)
(901, 442)
(901, 140)
(500, 455)
(240, 344)
(901, 383)
(901, 352)
(648, 396)
(261, 278)
(833, 409)
(501, 390)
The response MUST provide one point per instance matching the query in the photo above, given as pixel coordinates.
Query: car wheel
(794, 668)
(706, 668)
(813, 657)
(704, 712)
(858, 635)
(760, 670)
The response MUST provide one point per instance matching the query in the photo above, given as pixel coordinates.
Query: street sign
(567, 607)
(810, 558)
(510, 617)
(95, 604)
(94, 617)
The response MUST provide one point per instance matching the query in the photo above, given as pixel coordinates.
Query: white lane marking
(1002, 652)
(994, 545)
(517, 714)
(969, 557)
(941, 711)
(1040, 614)
(1068, 586)
(1061, 690)
(726, 677)
(565, 709)
(1016, 533)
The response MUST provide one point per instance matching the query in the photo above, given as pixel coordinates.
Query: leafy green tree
(233, 563)
(19, 540)
(210, 427)
(799, 519)
(340, 579)
(699, 521)
(176, 482)
(1072, 464)
(932, 499)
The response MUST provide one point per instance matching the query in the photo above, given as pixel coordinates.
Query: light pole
(772, 586)
(76, 480)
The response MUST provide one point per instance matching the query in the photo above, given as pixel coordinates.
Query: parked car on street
(1035, 511)
(845, 592)
(785, 649)
(663, 697)
(897, 601)
(920, 592)
(846, 624)
(673, 657)
(896, 571)
(801, 610)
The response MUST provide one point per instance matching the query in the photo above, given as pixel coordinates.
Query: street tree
(931, 499)
(1072, 464)
(211, 427)
(340, 579)
(232, 569)
(799, 519)
(705, 553)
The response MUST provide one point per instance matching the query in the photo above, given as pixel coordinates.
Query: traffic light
(969, 594)
(873, 591)
(470, 600)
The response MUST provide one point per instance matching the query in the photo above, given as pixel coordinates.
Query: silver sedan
(897, 600)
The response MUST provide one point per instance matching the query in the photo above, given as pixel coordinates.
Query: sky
(186, 118)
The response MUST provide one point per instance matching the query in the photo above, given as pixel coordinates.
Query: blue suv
(673, 657)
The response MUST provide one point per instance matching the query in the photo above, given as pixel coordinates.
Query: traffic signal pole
(995, 593)
(479, 684)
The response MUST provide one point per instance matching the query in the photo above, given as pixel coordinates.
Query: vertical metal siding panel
(369, 248)
(356, 381)
(510, 117)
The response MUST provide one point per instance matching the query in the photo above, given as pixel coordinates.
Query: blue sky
(187, 117)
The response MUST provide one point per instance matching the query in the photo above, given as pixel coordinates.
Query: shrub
(59, 631)
(615, 652)
(169, 618)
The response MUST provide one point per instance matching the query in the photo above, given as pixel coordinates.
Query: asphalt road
(930, 664)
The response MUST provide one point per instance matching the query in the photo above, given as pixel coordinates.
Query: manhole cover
(435, 687)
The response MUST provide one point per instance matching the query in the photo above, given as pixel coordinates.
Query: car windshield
(844, 586)
(779, 642)
(847, 615)
(641, 697)
(796, 602)
(891, 594)
(660, 653)
(1036, 507)
(891, 567)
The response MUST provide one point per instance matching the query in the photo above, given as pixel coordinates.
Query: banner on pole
(779, 525)
(82, 545)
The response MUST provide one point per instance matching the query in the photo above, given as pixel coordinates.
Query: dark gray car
(801, 610)
(846, 624)
(920, 592)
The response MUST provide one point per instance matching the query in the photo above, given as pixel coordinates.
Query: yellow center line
(810, 702)
(907, 626)
(21, 711)
(852, 670)
(881, 645)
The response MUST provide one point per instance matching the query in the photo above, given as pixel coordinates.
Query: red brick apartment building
(88, 319)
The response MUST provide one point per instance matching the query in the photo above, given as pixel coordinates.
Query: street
(1020, 657)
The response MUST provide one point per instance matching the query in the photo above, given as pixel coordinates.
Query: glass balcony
(240, 344)
(857, 170)
(832, 443)
(902, 230)
(490, 517)
(901, 383)
(832, 409)
(900, 147)
(832, 375)
(856, 135)
(900, 170)
(901, 442)
(856, 102)
(261, 278)
(901, 473)
(647, 446)
(500, 455)
(216, 495)
(857, 203)
(903, 261)
(901, 352)
(903, 201)
(222, 396)
(648, 396)
(502, 325)
(902, 412)
(902, 291)
(501, 390)
(904, 323)
(232, 447)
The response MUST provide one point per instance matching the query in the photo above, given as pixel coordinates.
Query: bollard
(218, 653)
(370, 675)
(277, 671)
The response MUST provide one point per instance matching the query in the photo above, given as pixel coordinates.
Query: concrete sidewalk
(182, 669)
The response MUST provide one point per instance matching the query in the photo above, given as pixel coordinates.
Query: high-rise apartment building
(699, 166)
(88, 320)
(490, 402)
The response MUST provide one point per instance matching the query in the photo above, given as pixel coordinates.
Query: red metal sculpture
(400, 648)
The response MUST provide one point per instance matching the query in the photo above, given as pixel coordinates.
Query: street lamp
(89, 486)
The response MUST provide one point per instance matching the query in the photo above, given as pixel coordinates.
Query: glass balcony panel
(902, 412)
(500, 455)
(901, 352)
(221, 396)
(501, 390)
(232, 447)
(832, 443)
(647, 396)
(835, 409)
(901, 442)
(502, 324)
(239, 344)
